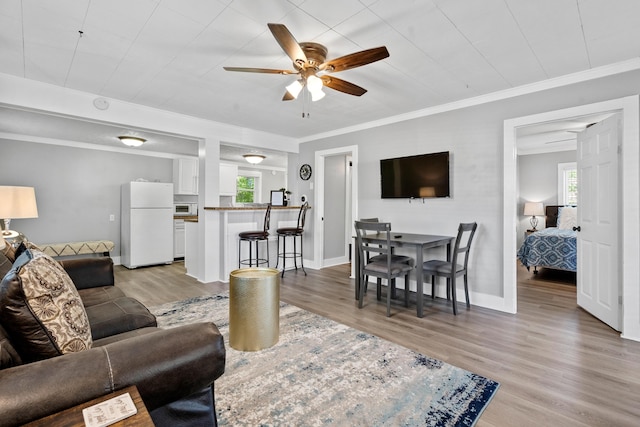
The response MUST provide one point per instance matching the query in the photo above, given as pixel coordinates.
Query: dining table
(419, 242)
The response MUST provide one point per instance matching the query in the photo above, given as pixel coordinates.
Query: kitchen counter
(186, 217)
(230, 221)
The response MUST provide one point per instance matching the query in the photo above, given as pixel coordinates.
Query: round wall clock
(305, 171)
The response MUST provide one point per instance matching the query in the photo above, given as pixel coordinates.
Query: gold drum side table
(254, 308)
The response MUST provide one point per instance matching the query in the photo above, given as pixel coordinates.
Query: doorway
(348, 209)
(630, 164)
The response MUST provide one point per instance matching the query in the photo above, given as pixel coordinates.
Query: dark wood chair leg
(466, 290)
(454, 300)
(406, 290)
(388, 299)
(433, 287)
(361, 296)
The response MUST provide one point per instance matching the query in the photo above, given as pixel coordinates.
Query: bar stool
(255, 237)
(294, 232)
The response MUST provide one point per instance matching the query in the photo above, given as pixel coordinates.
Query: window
(567, 183)
(245, 189)
(248, 187)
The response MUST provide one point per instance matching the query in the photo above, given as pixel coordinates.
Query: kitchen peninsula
(234, 220)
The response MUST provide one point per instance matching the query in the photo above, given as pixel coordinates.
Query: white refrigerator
(146, 233)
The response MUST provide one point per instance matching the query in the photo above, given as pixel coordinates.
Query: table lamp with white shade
(533, 209)
(16, 202)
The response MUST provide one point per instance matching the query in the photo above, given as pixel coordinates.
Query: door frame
(629, 194)
(318, 229)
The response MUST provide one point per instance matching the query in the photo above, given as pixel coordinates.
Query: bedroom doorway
(629, 197)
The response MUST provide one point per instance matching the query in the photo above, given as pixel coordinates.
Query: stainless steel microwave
(185, 209)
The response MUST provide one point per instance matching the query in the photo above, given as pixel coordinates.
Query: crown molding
(566, 80)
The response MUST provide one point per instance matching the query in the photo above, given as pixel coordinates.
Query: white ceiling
(169, 54)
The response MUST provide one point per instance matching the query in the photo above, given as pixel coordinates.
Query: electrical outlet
(112, 217)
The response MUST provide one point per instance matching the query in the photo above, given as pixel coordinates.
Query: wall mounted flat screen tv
(421, 176)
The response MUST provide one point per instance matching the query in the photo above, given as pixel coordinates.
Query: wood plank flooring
(557, 365)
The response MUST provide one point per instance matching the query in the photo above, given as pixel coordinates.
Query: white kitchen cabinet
(228, 177)
(179, 241)
(185, 176)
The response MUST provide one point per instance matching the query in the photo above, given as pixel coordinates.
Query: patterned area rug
(324, 373)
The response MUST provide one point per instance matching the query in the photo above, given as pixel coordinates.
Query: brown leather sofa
(173, 369)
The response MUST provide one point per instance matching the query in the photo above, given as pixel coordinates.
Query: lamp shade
(18, 202)
(533, 209)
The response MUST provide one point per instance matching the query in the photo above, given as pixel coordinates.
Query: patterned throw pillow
(41, 310)
(567, 217)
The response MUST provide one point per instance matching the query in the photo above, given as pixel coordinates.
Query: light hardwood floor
(556, 364)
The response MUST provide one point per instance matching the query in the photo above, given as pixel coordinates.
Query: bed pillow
(567, 217)
(41, 309)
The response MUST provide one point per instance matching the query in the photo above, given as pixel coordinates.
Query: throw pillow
(14, 248)
(5, 264)
(10, 251)
(567, 217)
(41, 310)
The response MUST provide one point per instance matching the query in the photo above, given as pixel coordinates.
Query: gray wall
(76, 188)
(474, 137)
(272, 182)
(335, 172)
(538, 182)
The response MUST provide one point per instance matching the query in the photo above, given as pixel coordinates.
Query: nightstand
(529, 232)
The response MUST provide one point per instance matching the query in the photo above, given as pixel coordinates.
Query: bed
(554, 246)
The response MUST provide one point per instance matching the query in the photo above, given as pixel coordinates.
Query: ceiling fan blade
(356, 59)
(260, 70)
(343, 86)
(287, 96)
(288, 43)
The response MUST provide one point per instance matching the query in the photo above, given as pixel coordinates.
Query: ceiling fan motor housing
(315, 52)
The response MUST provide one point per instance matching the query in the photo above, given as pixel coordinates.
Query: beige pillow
(567, 217)
(41, 310)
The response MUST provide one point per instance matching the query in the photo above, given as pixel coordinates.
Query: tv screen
(421, 176)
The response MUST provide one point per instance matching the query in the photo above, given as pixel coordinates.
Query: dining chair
(452, 269)
(294, 232)
(394, 258)
(255, 237)
(384, 267)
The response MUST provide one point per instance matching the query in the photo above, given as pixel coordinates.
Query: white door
(598, 278)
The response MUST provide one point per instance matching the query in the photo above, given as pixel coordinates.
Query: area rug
(324, 373)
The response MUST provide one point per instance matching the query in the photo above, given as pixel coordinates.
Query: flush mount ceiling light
(254, 159)
(132, 141)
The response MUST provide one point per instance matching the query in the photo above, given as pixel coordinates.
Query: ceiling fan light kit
(295, 88)
(309, 62)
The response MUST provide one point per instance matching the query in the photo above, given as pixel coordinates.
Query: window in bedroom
(567, 183)
(248, 187)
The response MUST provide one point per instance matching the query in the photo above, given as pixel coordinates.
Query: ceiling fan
(310, 63)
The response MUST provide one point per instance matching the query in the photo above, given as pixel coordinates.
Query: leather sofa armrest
(165, 365)
(90, 272)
